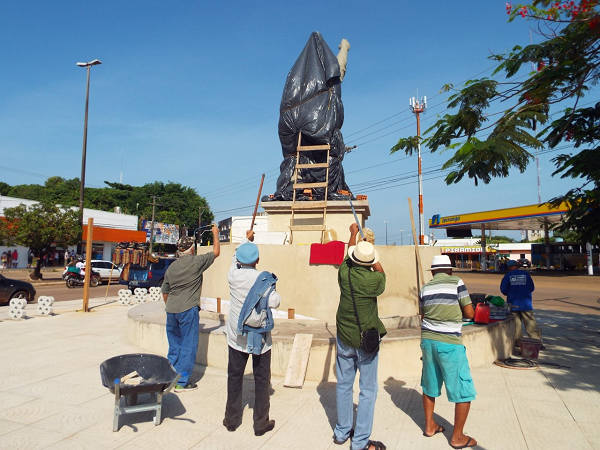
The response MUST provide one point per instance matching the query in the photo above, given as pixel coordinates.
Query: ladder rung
(309, 205)
(308, 148)
(308, 227)
(309, 185)
(312, 166)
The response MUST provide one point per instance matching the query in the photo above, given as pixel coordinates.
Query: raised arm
(353, 233)
(216, 242)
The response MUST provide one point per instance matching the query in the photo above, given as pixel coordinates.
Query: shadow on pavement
(573, 340)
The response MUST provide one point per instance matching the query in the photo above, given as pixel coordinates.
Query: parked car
(10, 289)
(102, 267)
(524, 262)
(146, 277)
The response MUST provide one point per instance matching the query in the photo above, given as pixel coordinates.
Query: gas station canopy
(532, 217)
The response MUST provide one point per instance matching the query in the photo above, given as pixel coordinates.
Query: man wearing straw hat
(361, 279)
(444, 301)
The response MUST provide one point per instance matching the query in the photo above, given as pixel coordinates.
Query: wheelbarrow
(156, 376)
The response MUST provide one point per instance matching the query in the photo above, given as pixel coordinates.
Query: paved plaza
(51, 396)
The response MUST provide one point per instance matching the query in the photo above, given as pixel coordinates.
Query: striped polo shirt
(440, 301)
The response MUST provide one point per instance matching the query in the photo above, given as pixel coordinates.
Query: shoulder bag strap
(353, 301)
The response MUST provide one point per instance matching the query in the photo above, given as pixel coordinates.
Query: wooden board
(296, 370)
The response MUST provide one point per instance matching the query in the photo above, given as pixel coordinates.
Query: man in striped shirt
(443, 302)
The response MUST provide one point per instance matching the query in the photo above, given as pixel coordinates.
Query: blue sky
(189, 92)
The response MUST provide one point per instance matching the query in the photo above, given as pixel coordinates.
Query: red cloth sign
(331, 253)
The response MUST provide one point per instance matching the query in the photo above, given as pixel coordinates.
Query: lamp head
(88, 64)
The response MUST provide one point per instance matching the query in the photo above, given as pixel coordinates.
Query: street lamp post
(401, 242)
(386, 222)
(87, 65)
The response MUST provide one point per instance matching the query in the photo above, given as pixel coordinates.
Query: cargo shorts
(446, 363)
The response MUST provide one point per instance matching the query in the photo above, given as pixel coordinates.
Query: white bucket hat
(441, 262)
(363, 254)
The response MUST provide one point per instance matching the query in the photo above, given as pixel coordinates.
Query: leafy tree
(496, 239)
(38, 227)
(567, 62)
(178, 204)
(4, 188)
(60, 191)
(27, 191)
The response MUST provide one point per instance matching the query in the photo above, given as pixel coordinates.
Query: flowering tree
(567, 67)
(38, 227)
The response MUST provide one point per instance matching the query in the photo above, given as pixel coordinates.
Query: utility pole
(386, 222)
(154, 204)
(401, 240)
(417, 108)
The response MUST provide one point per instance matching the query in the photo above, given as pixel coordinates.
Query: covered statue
(311, 104)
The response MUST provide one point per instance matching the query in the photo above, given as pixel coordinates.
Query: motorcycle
(73, 279)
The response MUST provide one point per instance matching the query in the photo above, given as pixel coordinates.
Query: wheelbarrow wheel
(131, 399)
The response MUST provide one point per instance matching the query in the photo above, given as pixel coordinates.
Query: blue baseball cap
(247, 253)
(512, 263)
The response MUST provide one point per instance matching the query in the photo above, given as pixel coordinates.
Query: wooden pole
(88, 265)
(420, 276)
(291, 313)
(257, 201)
(219, 305)
(109, 278)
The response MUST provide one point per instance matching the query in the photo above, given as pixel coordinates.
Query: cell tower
(419, 107)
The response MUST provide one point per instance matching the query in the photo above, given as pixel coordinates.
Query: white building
(233, 229)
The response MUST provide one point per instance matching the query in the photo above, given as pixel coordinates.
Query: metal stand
(131, 400)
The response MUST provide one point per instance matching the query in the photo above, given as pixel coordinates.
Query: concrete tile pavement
(51, 396)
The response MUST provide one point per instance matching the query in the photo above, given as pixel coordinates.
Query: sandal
(440, 429)
(378, 445)
(464, 446)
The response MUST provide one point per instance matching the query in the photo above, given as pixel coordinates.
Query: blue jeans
(347, 361)
(182, 333)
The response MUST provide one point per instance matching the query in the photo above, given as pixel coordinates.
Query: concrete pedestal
(399, 355)
(339, 218)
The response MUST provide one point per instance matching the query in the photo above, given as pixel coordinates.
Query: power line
(401, 112)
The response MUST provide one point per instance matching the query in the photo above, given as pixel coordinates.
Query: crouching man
(252, 295)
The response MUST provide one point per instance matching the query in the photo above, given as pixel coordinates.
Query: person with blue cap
(518, 287)
(252, 296)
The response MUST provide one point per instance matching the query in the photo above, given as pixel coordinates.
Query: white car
(104, 269)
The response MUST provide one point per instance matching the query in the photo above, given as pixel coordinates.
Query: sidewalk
(51, 395)
(50, 275)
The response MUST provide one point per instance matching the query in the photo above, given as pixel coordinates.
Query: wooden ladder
(312, 206)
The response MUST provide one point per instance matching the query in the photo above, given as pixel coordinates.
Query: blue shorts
(448, 364)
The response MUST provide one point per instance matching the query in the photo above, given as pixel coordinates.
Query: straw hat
(364, 254)
(369, 235)
(441, 262)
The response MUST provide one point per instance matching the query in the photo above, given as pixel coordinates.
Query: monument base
(400, 350)
(339, 217)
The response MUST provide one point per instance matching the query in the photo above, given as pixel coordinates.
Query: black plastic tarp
(311, 104)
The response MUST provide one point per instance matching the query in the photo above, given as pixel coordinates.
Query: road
(555, 291)
(54, 286)
(61, 292)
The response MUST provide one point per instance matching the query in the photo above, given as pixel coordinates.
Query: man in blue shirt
(517, 285)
